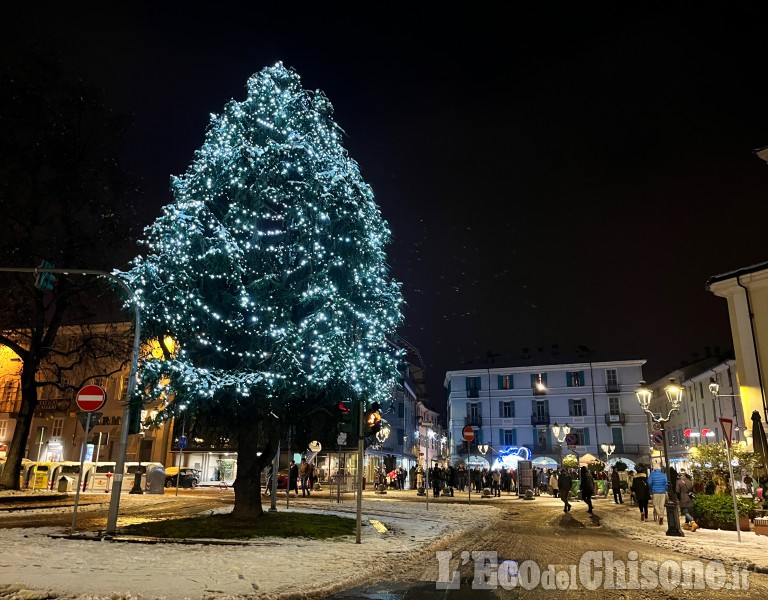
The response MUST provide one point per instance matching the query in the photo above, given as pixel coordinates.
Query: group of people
(644, 488)
(450, 478)
(304, 471)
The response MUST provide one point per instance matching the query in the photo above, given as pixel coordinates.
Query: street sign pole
(727, 425)
(360, 452)
(80, 474)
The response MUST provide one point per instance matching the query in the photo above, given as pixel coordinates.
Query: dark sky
(550, 176)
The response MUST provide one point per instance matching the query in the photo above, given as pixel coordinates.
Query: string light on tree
(269, 268)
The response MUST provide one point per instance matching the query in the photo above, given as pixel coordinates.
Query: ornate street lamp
(675, 396)
(561, 432)
(608, 449)
(714, 389)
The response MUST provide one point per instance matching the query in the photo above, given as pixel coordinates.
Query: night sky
(550, 176)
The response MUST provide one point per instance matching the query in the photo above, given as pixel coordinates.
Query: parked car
(187, 477)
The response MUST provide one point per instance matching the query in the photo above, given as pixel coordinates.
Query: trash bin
(66, 484)
(155, 479)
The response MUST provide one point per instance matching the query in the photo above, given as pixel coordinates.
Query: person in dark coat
(616, 487)
(642, 493)
(451, 478)
(564, 483)
(293, 478)
(587, 487)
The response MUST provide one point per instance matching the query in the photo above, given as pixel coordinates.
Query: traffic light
(44, 281)
(372, 420)
(349, 416)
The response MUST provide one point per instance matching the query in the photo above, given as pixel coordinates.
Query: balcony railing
(473, 393)
(614, 419)
(473, 420)
(612, 387)
(539, 419)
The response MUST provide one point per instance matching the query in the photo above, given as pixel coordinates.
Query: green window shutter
(586, 436)
(512, 407)
(501, 410)
(501, 437)
(568, 378)
(467, 379)
(514, 437)
(581, 377)
(500, 382)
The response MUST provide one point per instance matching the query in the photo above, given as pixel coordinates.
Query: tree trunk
(9, 480)
(247, 486)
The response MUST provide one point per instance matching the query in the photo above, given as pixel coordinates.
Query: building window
(506, 382)
(574, 378)
(473, 387)
(577, 407)
(58, 425)
(542, 408)
(3, 428)
(508, 437)
(507, 410)
(9, 392)
(611, 377)
(582, 436)
(541, 438)
(614, 408)
(539, 383)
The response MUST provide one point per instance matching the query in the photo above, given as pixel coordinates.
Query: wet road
(541, 552)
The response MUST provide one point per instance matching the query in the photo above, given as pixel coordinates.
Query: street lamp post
(608, 449)
(714, 389)
(560, 434)
(381, 436)
(182, 442)
(483, 448)
(675, 396)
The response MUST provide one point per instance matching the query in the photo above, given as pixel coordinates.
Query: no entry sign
(90, 398)
(468, 433)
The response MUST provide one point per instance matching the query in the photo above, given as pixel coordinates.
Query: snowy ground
(267, 568)
(34, 565)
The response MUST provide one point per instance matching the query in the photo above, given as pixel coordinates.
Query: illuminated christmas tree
(268, 270)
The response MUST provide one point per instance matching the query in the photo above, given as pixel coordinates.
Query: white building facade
(513, 409)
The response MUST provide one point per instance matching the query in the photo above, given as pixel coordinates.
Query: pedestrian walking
(543, 481)
(564, 483)
(657, 481)
(461, 474)
(304, 474)
(616, 487)
(642, 492)
(553, 483)
(587, 486)
(293, 478)
(496, 483)
(684, 490)
(451, 478)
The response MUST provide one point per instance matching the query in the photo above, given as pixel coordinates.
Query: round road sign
(658, 438)
(571, 439)
(90, 398)
(468, 433)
